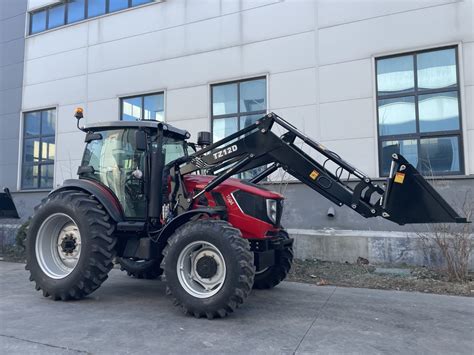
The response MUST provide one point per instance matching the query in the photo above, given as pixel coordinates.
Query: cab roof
(166, 127)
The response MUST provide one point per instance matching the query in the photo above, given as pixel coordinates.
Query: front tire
(208, 268)
(276, 273)
(70, 245)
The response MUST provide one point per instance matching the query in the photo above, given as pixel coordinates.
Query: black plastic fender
(100, 192)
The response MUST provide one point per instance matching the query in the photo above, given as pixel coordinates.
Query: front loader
(159, 204)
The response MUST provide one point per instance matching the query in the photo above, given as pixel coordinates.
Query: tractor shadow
(127, 293)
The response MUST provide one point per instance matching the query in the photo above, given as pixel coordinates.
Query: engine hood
(200, 181)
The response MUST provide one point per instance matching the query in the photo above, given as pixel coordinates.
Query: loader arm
(407, 197)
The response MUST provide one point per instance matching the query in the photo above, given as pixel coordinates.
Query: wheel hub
(206, 267)
(69, 244)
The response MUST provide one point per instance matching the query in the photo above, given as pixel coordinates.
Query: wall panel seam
(390, 14)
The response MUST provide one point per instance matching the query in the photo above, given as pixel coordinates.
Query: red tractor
(159, 204)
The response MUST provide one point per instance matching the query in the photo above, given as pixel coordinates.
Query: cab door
(116, 162)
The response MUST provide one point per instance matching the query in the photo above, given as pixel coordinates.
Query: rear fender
(100, 192)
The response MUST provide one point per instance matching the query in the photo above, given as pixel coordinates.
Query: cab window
(114, 161)
(173, 149)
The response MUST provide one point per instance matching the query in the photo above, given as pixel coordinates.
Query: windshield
(173, 149)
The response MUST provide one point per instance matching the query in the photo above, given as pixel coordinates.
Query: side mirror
(204, 138)
(140, 140)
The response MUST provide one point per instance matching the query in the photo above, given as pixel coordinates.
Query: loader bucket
(7, 207)
(409, 198)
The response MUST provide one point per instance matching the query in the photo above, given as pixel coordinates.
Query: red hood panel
(200, 181)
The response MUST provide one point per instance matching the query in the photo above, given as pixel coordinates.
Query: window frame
(418, 136)
(66, 9)
(238, 114)
(22, 164)
(142, 102)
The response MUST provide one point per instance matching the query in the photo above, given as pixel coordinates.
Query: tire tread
(103, 246)
(278, 272)
(241, 248)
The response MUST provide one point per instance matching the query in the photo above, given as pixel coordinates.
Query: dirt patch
(385, 277)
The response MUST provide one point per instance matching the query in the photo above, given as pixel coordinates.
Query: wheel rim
(58, 245)
(201, 269)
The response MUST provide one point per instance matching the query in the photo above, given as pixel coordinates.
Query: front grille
(255, 206)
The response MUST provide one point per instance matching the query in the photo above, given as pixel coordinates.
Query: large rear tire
(70, 245)
(275, 274)
(141, 269)
(208, 268)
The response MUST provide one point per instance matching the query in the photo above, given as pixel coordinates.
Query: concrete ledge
(336, 245)
(376, 246)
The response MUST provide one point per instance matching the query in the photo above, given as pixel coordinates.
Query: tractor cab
(117, 156)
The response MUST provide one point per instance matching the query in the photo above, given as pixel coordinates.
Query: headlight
(272, 210)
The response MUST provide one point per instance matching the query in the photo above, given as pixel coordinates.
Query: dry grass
(453, 243)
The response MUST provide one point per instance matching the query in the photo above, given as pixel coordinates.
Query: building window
(38, 149)
(70, 11)
(96, 8)
(38, 21)
(57, 16)
(418, 110)
(76, 10)
(117, 5)
(236, 105)
(143, 107)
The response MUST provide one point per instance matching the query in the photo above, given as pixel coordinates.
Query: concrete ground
(128, 316)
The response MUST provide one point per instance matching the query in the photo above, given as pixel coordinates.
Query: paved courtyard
(128, 316)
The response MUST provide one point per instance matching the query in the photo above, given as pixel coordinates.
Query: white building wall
(35, 4)
(12, 24)
(317, 57)
(468, 102)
